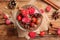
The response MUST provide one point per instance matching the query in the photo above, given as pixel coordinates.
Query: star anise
(55, 15)
(12, 4)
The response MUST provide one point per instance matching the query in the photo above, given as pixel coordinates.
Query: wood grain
(10, 31)
(52, 3)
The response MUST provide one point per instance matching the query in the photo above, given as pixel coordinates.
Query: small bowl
(38, 25)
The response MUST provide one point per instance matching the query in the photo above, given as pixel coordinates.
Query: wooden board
(3, 30)
(54, 3)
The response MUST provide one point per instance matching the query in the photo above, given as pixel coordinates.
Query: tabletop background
(7, 32)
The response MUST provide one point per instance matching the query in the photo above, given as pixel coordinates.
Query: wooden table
(4, 28)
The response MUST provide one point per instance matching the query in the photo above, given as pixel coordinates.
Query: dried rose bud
(58, 31)
(41, 11)
(25, 12)
(8, 22)
(19, 18)
(32, 34)
(26, 20)
(5, 17)
(42, 33)
(34, 19)
(31, 10)
(48, 8)
(32, 24)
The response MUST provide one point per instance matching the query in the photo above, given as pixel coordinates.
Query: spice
(55, 15)
(12, 4)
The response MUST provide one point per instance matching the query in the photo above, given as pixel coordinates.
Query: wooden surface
(53, 3)
(7, 32)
